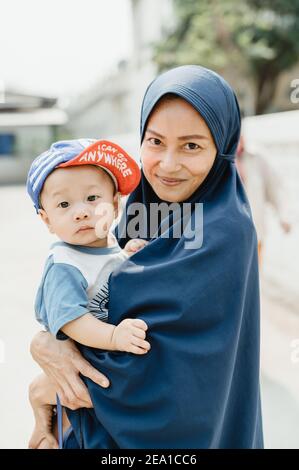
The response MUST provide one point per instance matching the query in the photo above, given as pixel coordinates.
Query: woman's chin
(171, 194)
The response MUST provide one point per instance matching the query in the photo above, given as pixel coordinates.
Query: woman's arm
(62, 363)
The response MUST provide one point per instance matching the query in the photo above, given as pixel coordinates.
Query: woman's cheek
(203, 165)
(148, 161)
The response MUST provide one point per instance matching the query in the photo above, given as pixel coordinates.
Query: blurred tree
(257, 38)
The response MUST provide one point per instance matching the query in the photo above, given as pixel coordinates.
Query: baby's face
(69, 200)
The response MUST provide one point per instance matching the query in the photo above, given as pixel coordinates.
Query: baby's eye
(63, 204)
(154, 141)
(93, 197)
(191, 146)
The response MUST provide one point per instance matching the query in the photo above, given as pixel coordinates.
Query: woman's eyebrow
(155, 133)
(193, 136)
(182, 137)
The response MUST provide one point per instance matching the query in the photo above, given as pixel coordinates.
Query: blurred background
(80, 69)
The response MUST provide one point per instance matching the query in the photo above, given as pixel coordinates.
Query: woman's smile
(170, 181)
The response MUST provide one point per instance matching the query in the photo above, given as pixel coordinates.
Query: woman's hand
(62, 362)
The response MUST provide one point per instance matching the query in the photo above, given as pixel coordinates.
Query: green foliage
(259, 38)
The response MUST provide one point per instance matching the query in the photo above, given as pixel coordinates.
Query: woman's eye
(63, 204)
(154, 141)
(93, 197)
(191, 146)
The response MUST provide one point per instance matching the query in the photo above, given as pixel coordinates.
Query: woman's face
(177, 151)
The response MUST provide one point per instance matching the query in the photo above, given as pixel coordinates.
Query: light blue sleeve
(64, 296)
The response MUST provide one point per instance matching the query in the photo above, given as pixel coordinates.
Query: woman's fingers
(88, 371)
(68, 398)
(81, 392)
(64, 368)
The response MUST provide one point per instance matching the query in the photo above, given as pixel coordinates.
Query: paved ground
(24, 244)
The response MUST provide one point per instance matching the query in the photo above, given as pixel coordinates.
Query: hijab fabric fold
(198, 386)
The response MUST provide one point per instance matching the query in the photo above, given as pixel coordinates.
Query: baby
(75, 187)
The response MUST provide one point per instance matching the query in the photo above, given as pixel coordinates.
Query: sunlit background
(80, 69)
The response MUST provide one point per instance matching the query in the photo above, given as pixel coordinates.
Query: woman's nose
(169, 163)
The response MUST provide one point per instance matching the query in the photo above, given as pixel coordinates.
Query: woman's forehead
(208, 93)
(176, 115)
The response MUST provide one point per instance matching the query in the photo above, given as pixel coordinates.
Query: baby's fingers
(140, 324)
(141, 343)
(139, 333)
(136, 350)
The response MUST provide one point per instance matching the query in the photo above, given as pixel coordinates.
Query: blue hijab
(198, 387)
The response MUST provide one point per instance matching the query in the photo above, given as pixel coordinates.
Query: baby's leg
(45, 433)
(42, 396)
(65, 424)
(42, 436)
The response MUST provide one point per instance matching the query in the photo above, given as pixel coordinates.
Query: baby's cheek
(105, 216)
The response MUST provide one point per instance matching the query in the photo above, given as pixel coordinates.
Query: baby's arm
(66, 303)
(128, 336)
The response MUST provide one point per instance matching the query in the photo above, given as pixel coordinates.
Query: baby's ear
(44, 216)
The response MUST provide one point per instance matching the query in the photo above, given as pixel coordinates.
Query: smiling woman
(178, 158)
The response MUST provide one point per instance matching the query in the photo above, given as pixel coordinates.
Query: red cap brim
(114, 159)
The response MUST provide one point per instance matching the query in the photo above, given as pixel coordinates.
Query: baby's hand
(129, 336)
(134, 245)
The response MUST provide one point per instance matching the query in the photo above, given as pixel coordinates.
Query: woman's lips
(170, 181)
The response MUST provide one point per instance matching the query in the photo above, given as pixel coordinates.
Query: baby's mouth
(84, 228)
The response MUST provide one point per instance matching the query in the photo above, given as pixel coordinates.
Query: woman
(198, 387)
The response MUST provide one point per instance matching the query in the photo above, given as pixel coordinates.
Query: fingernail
(105, 383)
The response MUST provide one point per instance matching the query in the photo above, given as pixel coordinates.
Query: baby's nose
(81, 214)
